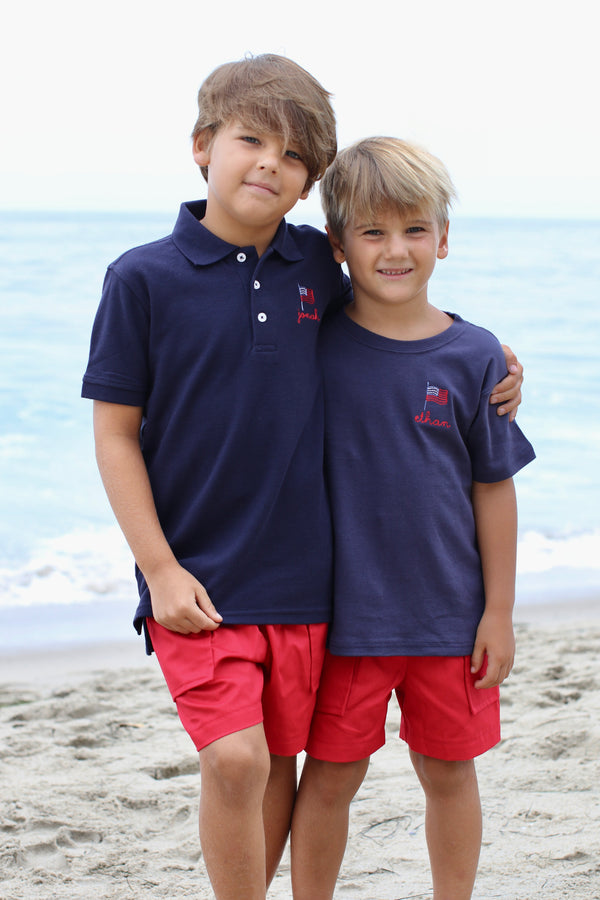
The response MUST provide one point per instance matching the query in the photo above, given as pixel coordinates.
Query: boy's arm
(179, 601)
(495, 509)
(508, 391)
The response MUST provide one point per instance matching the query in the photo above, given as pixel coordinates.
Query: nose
(395, 246)
(270, 157)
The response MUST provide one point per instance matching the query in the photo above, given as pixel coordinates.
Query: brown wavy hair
(273, 94)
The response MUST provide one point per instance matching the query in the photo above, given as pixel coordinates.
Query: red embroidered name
(314, 315)
(424, 418)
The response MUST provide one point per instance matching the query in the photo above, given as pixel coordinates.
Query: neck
(400, 323)
(238, 233)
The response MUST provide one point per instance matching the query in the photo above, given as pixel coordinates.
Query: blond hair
(272, 94)
(381, 173)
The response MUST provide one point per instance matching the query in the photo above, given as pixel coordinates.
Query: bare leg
(320, 825)
(234, 772)
(452, 824)
(278, 805)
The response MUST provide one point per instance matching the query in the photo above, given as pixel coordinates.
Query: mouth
(261, 187)
(394, 273)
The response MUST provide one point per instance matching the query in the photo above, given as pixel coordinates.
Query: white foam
(540, 553)
(84, 565)
(72, 569)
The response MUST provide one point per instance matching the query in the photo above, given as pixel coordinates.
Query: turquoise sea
(65, 572)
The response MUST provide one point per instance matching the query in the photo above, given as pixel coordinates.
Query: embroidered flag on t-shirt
(436, 395)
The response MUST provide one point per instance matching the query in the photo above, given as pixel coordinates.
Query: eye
(292, 154)
(373, 232)
(248, 139)
(414, 229)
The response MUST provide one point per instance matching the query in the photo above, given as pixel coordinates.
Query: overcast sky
(99, 99)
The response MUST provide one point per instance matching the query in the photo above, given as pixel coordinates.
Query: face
(253, 181)
(392, 258)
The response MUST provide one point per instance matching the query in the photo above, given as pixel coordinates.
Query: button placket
(264, 321)
(261, 316)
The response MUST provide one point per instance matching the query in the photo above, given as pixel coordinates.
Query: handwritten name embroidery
(424, 418)
(304, 315)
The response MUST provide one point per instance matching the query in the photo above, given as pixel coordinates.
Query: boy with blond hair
(424, 511)
(208, 419)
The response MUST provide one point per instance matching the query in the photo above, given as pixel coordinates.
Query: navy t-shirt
(219, 349)
(409, 427)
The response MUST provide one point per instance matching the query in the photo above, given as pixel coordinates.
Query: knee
(235, 767)
(334, 782)
(444, 777)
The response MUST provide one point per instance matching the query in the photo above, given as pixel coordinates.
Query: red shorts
(443, 714)
(240, 675)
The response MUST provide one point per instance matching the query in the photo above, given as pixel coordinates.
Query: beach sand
(99, 784)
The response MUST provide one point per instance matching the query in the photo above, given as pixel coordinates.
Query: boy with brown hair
(420, 472)
(208, 420)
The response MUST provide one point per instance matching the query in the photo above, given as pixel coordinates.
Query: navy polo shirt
(219, 349)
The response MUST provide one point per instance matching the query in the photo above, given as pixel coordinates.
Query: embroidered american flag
(436, 395)
(306, 294)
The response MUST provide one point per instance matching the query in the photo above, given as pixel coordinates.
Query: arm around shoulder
(507, 392)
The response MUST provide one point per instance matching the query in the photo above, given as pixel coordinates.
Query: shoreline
(49, 663)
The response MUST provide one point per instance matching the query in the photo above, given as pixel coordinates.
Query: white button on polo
(262, 317)
(241, 257)
(256, 285)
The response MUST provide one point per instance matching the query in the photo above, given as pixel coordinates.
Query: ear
(201, 147)
(336, 246)
(442, 252)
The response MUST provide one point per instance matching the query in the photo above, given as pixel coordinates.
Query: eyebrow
(375, 224)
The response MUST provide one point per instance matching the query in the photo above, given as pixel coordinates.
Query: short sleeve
(498, 448)
(118, 365)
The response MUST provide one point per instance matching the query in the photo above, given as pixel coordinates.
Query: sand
(99, 784)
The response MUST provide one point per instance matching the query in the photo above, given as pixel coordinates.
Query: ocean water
(65, 572)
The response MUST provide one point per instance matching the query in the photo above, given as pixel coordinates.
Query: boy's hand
(508, 391)
(180, 603)
(495, 637)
